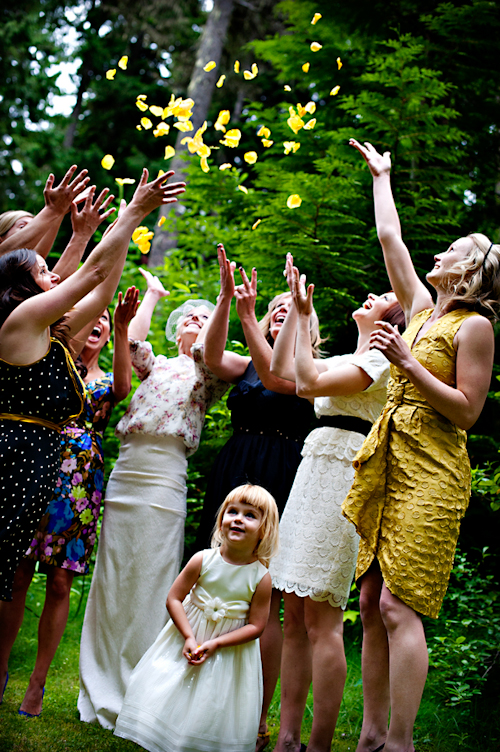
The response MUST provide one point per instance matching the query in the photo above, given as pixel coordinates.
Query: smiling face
(441, 274)
(241, 524)
(42, 276)
(374, 309)
(99, 335)
(279, 314)
(190, 326)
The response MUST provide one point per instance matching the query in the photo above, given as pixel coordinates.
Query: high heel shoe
(32, 715)
(4, 687)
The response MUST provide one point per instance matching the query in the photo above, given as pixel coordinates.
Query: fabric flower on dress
(215, 609)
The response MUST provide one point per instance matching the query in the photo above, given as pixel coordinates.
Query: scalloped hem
(308, 592)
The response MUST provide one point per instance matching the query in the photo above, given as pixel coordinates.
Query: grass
(440, 728)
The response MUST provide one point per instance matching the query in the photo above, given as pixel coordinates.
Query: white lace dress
(318, 546)
(172, 706)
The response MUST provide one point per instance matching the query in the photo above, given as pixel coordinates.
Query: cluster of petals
(249, 74)
(232, 138)
(142, 238)
(291, 146)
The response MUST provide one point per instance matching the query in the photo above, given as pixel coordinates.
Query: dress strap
(30, 419)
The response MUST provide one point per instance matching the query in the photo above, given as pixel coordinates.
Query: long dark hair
(17, 284)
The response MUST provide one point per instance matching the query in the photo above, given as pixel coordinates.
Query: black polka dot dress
(34, 401)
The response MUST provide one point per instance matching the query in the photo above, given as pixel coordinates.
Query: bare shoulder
(476, 327)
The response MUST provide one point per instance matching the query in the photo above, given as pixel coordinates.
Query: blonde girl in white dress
(199, 686)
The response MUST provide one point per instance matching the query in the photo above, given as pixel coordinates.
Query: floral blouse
(174, 395)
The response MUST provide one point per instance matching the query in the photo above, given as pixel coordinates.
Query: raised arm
(122, 364)
(227, 365)
(84, 223)
(139, 327)
(411, 293)
(283, 357)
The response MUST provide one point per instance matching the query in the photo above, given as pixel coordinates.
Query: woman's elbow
(121, 392)
(304, 391)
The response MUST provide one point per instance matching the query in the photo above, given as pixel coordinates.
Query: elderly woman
(140, 548)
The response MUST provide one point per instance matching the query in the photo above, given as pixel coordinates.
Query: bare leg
(296, 674)
(12, 614)
(324, 626)
(374, 664)
(271, 643)
(50, 630)
(408, 666)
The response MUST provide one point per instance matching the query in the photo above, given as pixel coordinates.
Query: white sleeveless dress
(171, 706)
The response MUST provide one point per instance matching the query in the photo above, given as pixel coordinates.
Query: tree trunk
(200, 89)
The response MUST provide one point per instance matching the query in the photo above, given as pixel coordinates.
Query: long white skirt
(138, 557)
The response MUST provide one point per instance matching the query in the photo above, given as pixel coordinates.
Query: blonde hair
(478, 283)
(265, 324)
(9, 218)
(259, 498)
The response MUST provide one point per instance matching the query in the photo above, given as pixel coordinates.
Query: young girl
(199, 686)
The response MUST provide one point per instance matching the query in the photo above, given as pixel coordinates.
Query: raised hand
(388, 340)
(377, 163)
(155, 285)
(149, 196)
(86, 221)
(226, 272)
(61, 197)
(246, 294)
(126, 308)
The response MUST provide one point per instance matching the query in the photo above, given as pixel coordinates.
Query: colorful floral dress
(67, 532)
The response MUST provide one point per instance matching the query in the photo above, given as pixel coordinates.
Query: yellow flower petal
(169, 152)
(248, 75)
(256, 224)
(141, 105)
(263, 132)
(203, 150)
(225, 166)
(142, 96)
(316, 47)
(242, 188)
(316, 18)
(310, 124)
(255, 70)
(222, 120)
(295, 122)
(146, 123)
(293, 201)
(122, 62)
(125, 181)
(220, 82)
(310, 108)
(210, 66)
(236, 66)
(160, 172)
(204, 164)
(339, 63)
(267, 143)
(161, 130)
(289, 146)
(138, 232)
(287, 88)
(107, 161)
(184, 127)
(250, 157)
(139, 127)
(232, 138)
(162, 221)
(110, 74)
(306, 67)
(301, 110)
(335, 91)
(156, 111)
(144, 247)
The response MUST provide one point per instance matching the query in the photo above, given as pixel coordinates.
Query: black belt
(347, 422)
(271, 432)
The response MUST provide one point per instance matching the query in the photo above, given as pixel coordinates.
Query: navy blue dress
(268, 433)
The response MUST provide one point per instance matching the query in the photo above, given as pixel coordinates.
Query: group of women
(383, 503)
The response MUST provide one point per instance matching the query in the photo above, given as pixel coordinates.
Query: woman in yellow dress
(412, 484)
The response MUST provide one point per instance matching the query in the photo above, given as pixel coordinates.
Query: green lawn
(440, 728)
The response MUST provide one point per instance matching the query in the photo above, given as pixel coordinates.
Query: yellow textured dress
(412, 482)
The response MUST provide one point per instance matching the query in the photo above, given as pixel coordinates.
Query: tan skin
(314, 630)
(395, 659)
(241, 524)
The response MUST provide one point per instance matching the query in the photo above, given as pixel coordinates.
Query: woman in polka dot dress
(412, 482)
(39, 388)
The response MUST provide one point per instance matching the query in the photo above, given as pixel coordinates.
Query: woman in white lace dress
(318, 547)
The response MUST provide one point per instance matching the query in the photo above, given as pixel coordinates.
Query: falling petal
(160, 173)
(184, 127)
(144, 247)
(316, 18)
(248, 75)
(156, 111)
(339, 63)
(267, 143)
(204, 164)
(162, 221)
(306, 67)
(139, 232)
(301, 110)
(316, 47)
(255, 70)
(310, 124)
(141, 105)
(222, 120)
(220, 82)
(139, 127)
(296, 146)
(256, 224)
(161, 130)
(232, 138)
(293, 201)
(310, 108)
(242, 188)
(146, 123)
(110, 74)
(107, 161)
(335, 91)
(225, 166)
(263, 132)
(236, 66)
(250, 157)
(142, 96)
(289, 146)
(294, 121)
(210, 66)
(169, 152)
(125, 181)
(287, 88)
(122, 62)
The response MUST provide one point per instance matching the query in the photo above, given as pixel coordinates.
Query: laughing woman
(412, 484)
